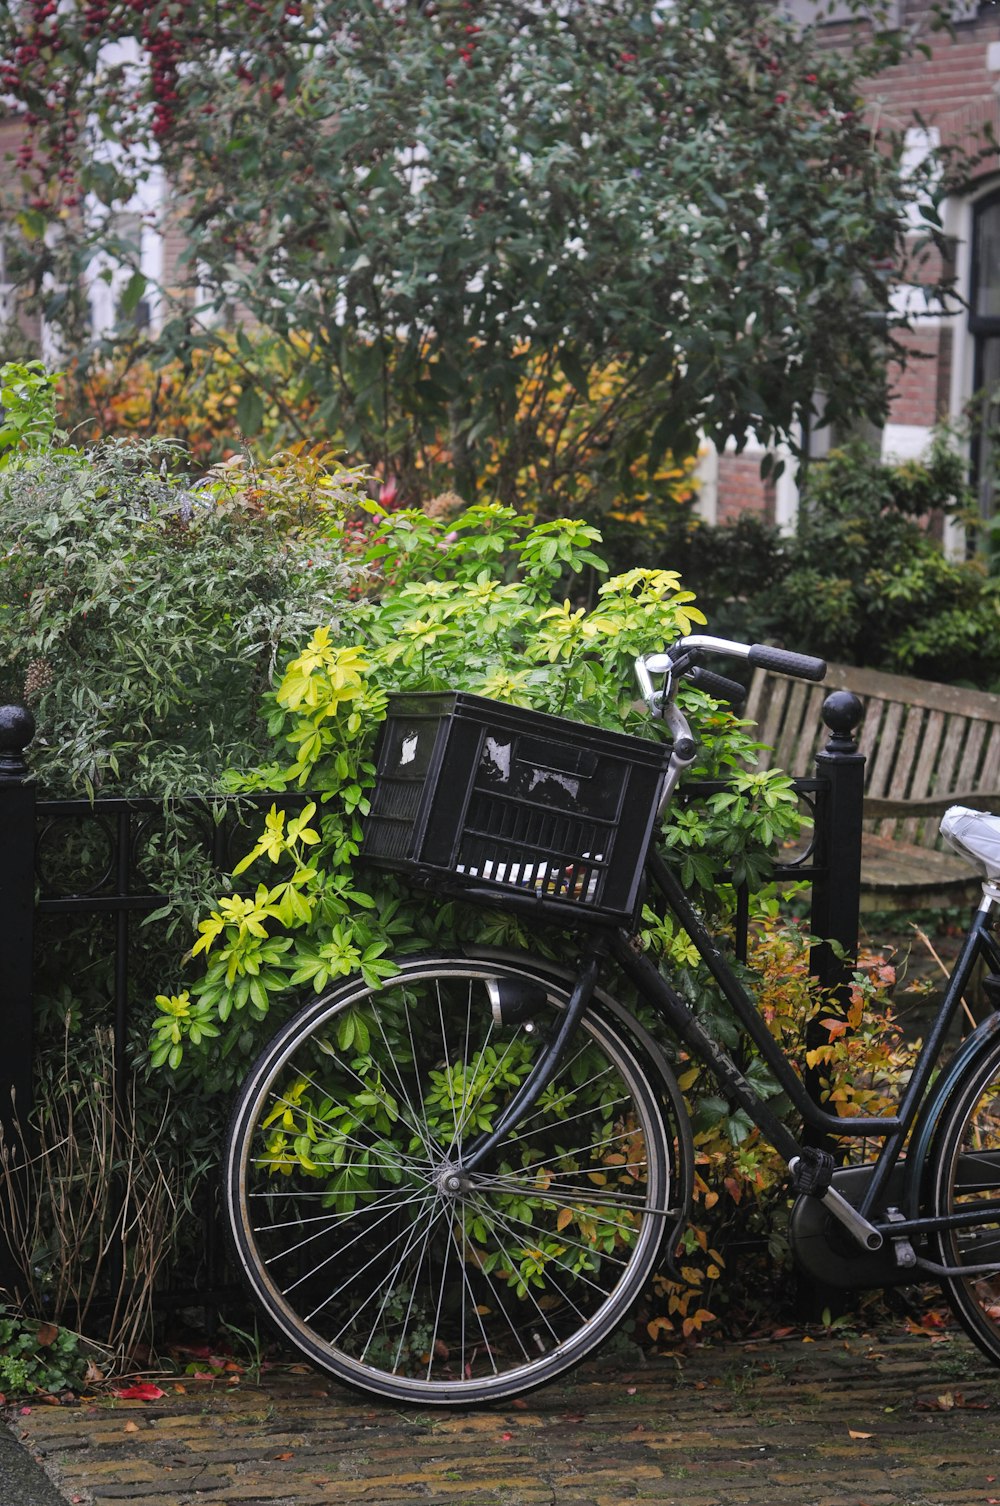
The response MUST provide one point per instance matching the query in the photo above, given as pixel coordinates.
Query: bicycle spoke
(322, 1088)
(436, 1214)
(511, 1223)
(336, 1254)
(580, 1202)
(331, 1219)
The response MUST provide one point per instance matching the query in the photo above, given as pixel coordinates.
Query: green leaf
(250, 410)
(132, 294)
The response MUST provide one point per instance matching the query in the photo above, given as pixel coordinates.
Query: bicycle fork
(513, 1003)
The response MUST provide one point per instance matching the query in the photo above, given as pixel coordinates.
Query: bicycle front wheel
(966, 1183)
(370, 1248)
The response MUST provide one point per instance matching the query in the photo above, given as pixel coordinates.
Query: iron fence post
(17, 914)
(836, 902)
(836, 896)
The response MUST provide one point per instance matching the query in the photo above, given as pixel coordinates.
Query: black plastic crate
(497, 796)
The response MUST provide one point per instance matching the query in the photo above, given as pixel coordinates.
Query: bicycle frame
(871, 1224)
(868, 1216)
(918, 1108)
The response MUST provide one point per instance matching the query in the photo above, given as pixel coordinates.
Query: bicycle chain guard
(824, 1248)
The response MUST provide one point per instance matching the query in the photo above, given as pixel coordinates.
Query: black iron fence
(118, 876)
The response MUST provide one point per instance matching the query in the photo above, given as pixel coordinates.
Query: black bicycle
(450, 1188)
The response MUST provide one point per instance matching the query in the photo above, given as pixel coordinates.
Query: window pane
(988, 263)
(987, 452)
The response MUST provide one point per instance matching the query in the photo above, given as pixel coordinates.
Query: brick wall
(743, 491)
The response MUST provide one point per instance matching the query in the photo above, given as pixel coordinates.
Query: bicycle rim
(967, 1180)
(370, 1249)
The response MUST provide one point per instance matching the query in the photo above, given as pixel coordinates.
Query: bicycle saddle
(976, 836)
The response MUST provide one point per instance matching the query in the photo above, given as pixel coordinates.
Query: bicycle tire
(362, 1259)
(965, 1172)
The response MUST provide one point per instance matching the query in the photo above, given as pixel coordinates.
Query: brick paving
(889, 1419)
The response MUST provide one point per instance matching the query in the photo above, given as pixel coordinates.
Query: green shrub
(142, 620)
(486, 579)
(865, 580)
(27, 412)
(36, 1355)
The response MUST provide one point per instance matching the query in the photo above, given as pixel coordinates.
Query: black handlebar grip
(801, 666)
(717, 686)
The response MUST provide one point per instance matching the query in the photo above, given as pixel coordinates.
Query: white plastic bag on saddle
(976, 836)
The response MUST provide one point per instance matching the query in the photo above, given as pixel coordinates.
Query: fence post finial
(842, 713)
(17, 728)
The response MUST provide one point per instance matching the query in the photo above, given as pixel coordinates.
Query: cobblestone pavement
(891, 1419)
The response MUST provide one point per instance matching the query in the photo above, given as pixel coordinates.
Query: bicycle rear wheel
(373, 1252)
(966, 1180)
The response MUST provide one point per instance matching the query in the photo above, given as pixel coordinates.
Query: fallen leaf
(200, 1351)
(47, 1334)
(930, 1320)
(286, 1455)
(853, 1433)
(520, 1403)
(144, 1391)
(131, 1427)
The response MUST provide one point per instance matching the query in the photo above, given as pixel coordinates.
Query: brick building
(955, 91)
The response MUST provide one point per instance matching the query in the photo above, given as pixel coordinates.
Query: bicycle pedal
(812, 1171)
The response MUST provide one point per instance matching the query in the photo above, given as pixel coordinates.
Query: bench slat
(966, 776)
(989, 773)
(929, 747)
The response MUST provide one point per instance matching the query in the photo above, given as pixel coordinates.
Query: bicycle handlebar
(780, 661)
(717, 685)
(760, 655)
(679, 663)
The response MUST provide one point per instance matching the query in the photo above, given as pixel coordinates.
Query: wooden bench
(926, 747)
